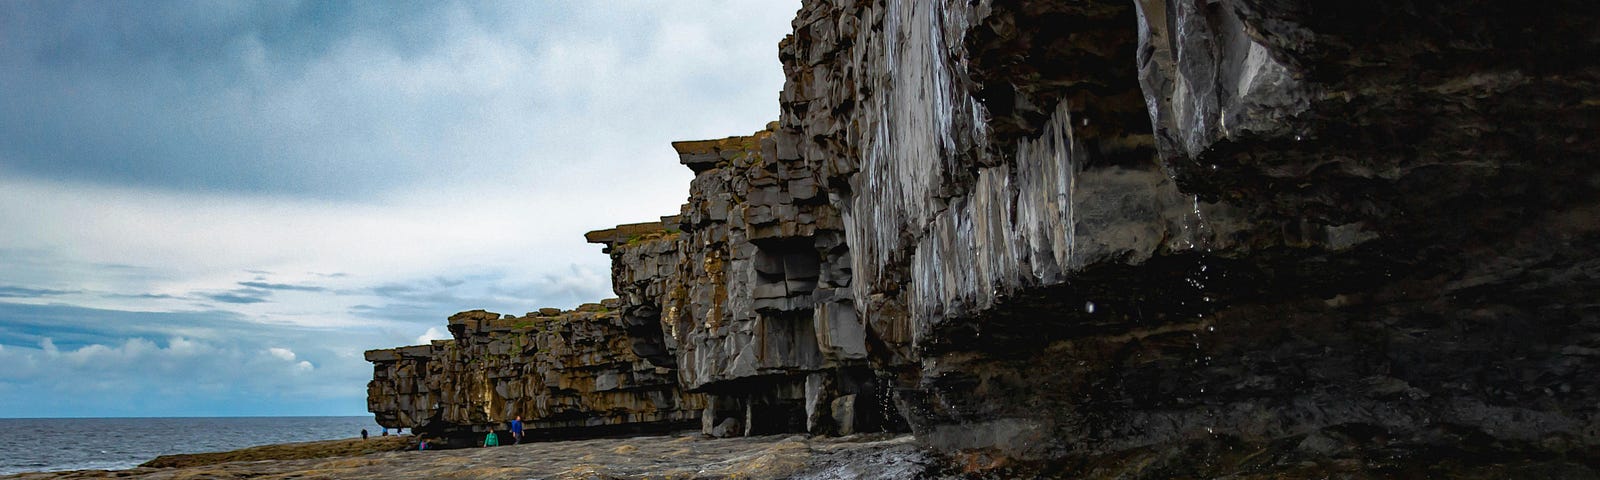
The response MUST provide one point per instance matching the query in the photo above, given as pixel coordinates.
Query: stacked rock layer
(746, 294)
(1088, 230)
(569, 373)
(1334, 237)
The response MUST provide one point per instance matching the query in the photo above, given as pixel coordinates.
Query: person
(491, 440)
(422, 445)
(516, 430)
(363, 434)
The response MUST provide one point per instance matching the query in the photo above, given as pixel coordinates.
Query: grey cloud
(24, 292)
(152, 296)
(338, 100)
(239, 296)
(261, 97)
(72, 326)
(282, 286)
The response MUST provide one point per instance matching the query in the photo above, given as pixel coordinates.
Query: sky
(212, 208)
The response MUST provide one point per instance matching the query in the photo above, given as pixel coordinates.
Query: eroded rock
(567, 374)
(746, 290)
(1135, 238)
(1083, 229)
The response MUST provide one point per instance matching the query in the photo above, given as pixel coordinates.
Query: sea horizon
(178, 416)
(118, 443)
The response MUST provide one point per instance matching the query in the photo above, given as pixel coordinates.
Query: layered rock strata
(566, 373)
(1138, 236)
(746, 294)
(1083, 229)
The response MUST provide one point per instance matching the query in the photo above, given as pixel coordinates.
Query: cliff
(1151, 238)
(566, 373)
(745, 295)
(1092, 230)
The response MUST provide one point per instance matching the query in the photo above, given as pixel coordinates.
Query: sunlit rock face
(746, 294)
(566, 373)
(1090, 230)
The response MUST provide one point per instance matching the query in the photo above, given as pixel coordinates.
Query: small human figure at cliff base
(491, 440)
(363, 434)
(516, 430)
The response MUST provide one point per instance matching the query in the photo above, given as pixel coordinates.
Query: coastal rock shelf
(566, 373)
(1149, 236)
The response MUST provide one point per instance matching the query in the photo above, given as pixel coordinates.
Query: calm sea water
(51, 444)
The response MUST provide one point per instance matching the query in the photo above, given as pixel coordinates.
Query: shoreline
(346, 447)
(683, 455)
(316, 449)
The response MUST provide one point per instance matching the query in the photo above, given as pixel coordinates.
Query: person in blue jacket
(516, 430)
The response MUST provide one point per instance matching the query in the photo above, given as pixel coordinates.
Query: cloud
(348, 101)
(207, 181)
(282, 286)
(433, 333)
(242, 295)
(163, 377)
(176, 363)
(282, 353)
(141, 295)
(11, 291)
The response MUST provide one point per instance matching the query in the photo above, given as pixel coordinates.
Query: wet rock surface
(288, 451)
(871, 456)
(661, 457)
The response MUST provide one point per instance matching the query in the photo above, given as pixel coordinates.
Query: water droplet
(1297, 138)
(1088, 307)
(1213, 166)
(1211, 328)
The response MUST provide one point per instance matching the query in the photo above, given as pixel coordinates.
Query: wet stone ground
(664, 457)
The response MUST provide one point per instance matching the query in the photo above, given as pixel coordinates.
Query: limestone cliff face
(569, 373)
(1146, 238)
(747, 292)
(1092, 228)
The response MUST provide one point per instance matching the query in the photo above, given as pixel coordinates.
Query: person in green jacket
(492, 440)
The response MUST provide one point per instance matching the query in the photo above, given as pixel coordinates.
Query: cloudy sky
(212, 208)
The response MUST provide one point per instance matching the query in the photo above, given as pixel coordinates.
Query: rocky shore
(1108, 238)
(660, 457)
(288, 451)
(861, 456)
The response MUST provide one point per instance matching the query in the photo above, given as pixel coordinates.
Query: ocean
(53, 444)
